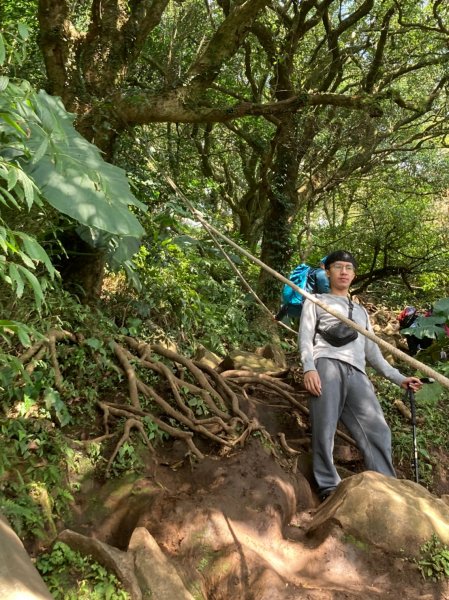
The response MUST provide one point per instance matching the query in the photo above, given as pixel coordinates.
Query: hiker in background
(334, 358)
(311, 279)
(407, 318)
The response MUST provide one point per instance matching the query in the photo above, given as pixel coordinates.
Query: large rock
(144, 570)
(248, 361)
(395, 515)
(156, 574)
(274, 353)
(206, 357)
(19, 579)
(118, 562)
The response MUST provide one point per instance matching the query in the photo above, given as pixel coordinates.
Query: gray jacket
(356, 353)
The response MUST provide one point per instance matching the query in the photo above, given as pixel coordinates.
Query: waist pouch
(339, 334)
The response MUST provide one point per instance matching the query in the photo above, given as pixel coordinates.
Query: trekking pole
(411, 397)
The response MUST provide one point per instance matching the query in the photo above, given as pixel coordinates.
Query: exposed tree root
(130, 423)
(285, 446)
(190, 400)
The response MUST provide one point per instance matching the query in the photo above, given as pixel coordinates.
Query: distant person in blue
(311, 279)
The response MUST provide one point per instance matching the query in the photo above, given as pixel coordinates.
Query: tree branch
(143, 108)
(378, 56)
(224, 43)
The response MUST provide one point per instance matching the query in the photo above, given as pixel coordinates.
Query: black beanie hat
(342, 255)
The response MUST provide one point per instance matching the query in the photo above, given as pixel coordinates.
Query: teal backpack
(304, 277)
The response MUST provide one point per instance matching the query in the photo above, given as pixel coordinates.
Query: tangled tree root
(196, 400)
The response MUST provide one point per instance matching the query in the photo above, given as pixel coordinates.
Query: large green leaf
(75, 194)
(2, 50)
(427, 327)
(429, 393)
(441, 307)
(117, 249)
(72, 175)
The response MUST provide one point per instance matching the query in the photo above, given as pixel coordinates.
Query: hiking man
(311, 279)
(334, 358)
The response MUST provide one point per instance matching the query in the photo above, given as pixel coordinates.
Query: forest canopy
(295, 127)
(277, 118)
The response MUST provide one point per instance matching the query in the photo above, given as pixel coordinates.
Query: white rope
(243, 280)
(413, 362)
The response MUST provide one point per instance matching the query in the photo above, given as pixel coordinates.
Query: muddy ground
(235, 524)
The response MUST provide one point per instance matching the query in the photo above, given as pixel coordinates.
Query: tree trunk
(283, 197)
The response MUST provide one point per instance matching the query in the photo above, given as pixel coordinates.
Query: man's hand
(412, 382)
(312, 383)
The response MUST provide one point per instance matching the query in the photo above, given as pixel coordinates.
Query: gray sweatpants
(347, 395)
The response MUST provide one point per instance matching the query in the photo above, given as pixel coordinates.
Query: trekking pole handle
(411, 398)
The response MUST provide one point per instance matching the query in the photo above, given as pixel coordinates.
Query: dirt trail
(236, 528)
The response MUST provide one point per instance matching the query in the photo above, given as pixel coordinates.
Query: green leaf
(4, 80)
(12, 122)
(74, 178)
(23, 336)
(427, 327)
(94, 343)
(28, 188)
(24, 32)
(26, 259)
(16, 279)
(12, 177)
(53, 401)
(10, 197)
(3, 244)
(36, 252)
(441, 307)
(33, 281)
(125, 248)
(429, 393)
(2, 50)
(41, 150)
(73, 193)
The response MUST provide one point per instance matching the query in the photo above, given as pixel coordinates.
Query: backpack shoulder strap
(350, 308)
(317, 324)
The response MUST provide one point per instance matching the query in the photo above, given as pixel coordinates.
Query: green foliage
(70, 172)
(393, 220)
(71, 576)
(43, 157)
(189, 291)
(88, 369)
(434, 560)
(20, 254)
(33, 487)
(432, 414)
(10, 328)
(127, 460)
(154, 433)
(432, 326)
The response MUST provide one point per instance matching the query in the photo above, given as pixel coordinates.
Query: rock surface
(249, 361)
(19, 579)
(156, 574)
(398, 516)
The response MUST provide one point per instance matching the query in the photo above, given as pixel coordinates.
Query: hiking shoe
(325, 495)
